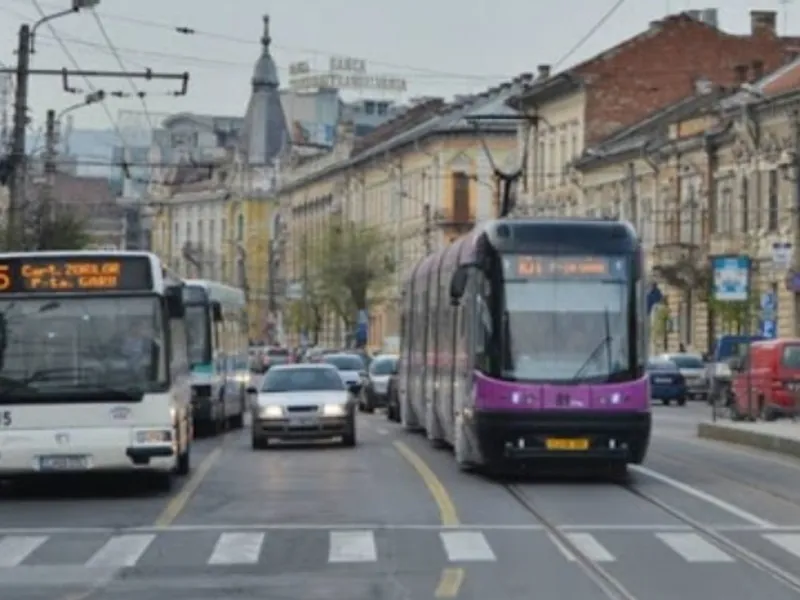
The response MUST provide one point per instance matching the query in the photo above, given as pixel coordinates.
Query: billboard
(344, 72)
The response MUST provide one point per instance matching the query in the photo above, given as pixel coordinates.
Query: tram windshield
(566, 330)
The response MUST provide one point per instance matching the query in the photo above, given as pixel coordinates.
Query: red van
(773, 370)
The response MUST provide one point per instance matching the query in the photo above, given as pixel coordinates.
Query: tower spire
(266, 39)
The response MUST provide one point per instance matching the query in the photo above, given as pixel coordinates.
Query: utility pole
(48, 206)
(18, 166)
(633, 208)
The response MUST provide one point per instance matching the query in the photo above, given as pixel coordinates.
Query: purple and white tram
(526, 341)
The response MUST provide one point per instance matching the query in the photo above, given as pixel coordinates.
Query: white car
(302, 402)
(351, 368)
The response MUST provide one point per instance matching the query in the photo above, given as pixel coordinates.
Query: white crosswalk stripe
(355, 546)
(15, 549)
(352, 547)
(694, 549)
(121, 551)
(466, 546)
(237, 549)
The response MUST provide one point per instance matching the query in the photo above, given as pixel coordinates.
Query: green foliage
(63, 231)
(352, 267)
(659, 322)
(734, 316)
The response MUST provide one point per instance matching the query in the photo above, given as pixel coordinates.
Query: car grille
(302, 409)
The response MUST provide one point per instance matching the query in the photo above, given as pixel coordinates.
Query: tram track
(612, 587)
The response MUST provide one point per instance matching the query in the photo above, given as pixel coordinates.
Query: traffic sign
(769, 328)
(769, 302)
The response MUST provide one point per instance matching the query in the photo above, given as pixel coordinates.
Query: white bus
(216, 321)
(94, 372)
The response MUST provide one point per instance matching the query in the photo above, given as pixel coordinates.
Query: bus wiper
(8, 384)
(130, 393)
(605, 343)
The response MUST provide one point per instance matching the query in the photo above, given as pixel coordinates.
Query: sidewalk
(782, 436)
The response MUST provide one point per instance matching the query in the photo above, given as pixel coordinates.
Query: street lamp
(76, 6)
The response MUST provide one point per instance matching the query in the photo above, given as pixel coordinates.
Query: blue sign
(362, 328)
(654, 296)
(769, 329)
(731, 278)
(769, 303)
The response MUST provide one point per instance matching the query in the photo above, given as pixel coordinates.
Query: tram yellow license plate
(567, 444)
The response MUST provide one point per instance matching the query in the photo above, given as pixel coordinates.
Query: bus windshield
(51, 347)
(197, 319)
(566, 330)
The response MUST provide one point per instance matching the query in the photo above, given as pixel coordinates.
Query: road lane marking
(447, 510)
(176, 505)
(694, 549)
(121, 551)
(15, 549)
(352, 546)
(450, 583)
(789, 542)
(704, 496)
(590, 547)
(237, 549)
(466, 546)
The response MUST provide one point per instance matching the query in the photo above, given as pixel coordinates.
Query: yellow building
(702, 179)
(423, 178)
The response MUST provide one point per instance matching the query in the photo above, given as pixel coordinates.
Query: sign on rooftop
(344, 72)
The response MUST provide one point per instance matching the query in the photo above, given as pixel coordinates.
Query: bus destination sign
(563, 267)
(74, 274)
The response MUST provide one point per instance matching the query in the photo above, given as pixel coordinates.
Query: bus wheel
(183, 464)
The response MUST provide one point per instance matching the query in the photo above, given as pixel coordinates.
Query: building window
(772, 201)
(564, 159)
(460, 204)
(240, 227)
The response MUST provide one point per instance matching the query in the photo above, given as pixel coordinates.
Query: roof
(431, 118)
(783, 80)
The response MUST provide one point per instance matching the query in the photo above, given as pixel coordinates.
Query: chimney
(763, 21)
(694, 14)
(710, 17)
(544, 71)
(741, 74)
(756, 70)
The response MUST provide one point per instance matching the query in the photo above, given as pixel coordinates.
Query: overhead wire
(138, 93)
(88, 81)
(588, 35)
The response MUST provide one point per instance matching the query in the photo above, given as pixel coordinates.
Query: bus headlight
(153, 436)
(334, 410)
(271, 411)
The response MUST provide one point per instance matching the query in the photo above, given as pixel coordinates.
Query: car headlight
(271, 412)
(242, 377)
(334, 410)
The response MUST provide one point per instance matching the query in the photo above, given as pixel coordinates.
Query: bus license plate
(567, 444)
(63, 463)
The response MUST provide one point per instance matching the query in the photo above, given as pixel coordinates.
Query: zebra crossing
(349, 547)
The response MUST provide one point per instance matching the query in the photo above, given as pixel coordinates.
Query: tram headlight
(614, 399)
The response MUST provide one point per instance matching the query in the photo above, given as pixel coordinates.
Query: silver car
(694, 371)
(301, 402)
(375, 392)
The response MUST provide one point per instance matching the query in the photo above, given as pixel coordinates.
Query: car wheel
(682, 401)
(666, 402)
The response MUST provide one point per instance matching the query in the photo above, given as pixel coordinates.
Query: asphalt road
(393, 519)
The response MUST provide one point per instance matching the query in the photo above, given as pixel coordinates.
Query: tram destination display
(521, 266)
(75, 274)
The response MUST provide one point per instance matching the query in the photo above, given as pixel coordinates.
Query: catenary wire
(594, 29)
(124, 68)
(88, 81)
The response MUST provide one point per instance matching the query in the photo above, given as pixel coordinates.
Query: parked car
(766, 381)
(392, 396)
(667, 384)
(374, 394)
(694, 371)
(718, 371)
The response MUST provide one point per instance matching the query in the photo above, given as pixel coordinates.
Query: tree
(353, 267)
(63, 230)
(736, 317)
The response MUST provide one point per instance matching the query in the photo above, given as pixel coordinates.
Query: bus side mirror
(216, 311)
(175, 306)
(458, 284)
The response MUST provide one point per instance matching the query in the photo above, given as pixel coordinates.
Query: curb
(753, 439)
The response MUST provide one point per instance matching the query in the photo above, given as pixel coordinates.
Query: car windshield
(297, 379)
(56, 346)
(687, 361)
(554, 327)
(383, 365)
(197, 330)
(661, 365)
(278, 352)
(791, 357)
(345, 362)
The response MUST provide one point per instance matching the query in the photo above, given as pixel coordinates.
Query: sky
(441, 47)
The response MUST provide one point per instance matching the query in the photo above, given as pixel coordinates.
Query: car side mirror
(216, 311)
(175, 305)
(735, 364)
(251, 389)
